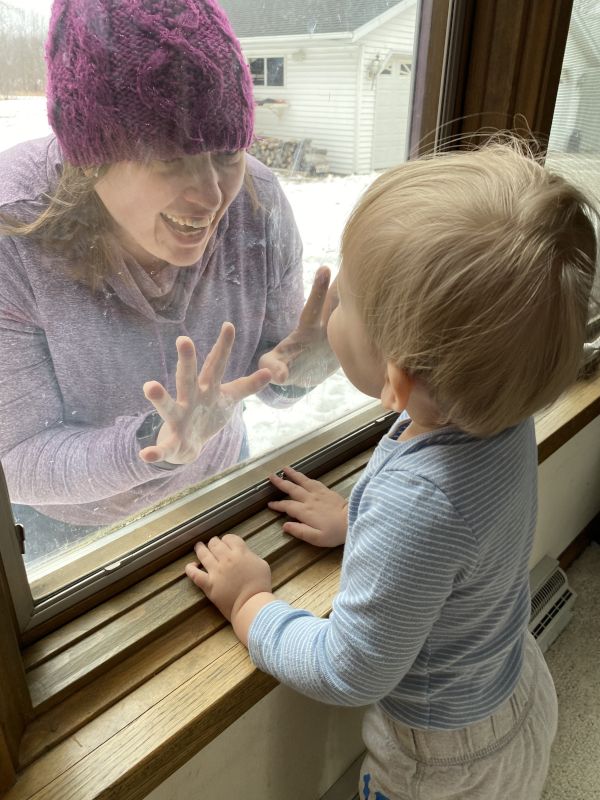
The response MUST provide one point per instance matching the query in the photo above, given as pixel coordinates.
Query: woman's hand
(322, 514)
(232, 574)
(304, 358)
(203, 404)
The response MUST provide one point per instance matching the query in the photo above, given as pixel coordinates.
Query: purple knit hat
(136, 79)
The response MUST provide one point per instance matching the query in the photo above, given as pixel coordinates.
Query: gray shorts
(502, 757)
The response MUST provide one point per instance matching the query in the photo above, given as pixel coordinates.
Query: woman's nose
(202, 185)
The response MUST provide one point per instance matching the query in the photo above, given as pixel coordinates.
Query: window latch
(20, 534)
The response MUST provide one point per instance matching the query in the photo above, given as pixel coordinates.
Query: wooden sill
(130, 691)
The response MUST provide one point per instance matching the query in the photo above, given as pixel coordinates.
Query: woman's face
(168, 210)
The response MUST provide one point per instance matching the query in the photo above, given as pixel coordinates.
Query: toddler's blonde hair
(473, 272)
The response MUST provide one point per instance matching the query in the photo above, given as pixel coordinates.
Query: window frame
(204, 513)
(493, 64)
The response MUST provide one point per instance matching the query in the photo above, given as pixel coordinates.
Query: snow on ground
(321, 206)
(22, 118)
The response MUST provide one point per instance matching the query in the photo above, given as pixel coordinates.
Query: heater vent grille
(552, 586)
(551, 613)
(552, 601)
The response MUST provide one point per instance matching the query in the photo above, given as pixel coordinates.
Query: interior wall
(286, 747)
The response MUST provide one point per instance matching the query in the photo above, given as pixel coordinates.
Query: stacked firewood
(290, 155)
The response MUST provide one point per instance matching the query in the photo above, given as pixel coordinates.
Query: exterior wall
(288, 746)
(320, 89)
(398, 35)
(576, 123)
(330, 97)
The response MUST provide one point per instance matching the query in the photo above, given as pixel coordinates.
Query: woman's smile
(169, 210)
(189, 231)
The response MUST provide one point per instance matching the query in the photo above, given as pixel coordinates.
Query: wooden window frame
(153, 674)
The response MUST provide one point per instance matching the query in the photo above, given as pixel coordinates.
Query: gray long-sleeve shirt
(73, 362)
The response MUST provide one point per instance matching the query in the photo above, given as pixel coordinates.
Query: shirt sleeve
(46, 459)
(406, 550)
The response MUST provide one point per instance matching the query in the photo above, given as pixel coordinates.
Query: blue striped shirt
(434, 592)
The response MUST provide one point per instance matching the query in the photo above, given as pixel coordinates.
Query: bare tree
(22, 35)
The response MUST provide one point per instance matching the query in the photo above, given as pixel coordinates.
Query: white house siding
(570, 113)
(574, 145)
(320, 88)
(398, 35)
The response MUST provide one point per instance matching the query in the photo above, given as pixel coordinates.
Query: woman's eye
(228, 157)
(168, 165)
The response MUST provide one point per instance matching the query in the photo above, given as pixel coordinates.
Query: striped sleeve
(407, 550)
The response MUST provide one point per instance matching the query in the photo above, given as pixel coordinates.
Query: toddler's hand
(321, 513)
(232, 573)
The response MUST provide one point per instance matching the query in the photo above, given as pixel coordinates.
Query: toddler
(464, 290)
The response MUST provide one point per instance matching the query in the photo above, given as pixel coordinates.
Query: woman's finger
(152, 454)
(161, 400)
(215, 363)
(186, 373)
(241, 388)
(313, 308)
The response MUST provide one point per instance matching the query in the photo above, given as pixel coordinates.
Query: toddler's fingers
(217, 547)
(294, 490)
(299, 477)
(198, 576)
(290, 507)
(234, 542)
(302, 531)
(204, 555)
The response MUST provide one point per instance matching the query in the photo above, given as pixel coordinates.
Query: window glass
(575, 134)
(274, 71)
(172, 231)
(574, 143)
(257, 68)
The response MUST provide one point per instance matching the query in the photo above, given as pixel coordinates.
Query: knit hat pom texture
(140, 79)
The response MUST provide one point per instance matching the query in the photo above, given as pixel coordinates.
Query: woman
(133, 239)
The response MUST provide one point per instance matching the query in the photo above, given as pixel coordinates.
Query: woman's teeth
(186, 224)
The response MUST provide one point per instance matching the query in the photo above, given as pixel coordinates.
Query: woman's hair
(76, 226)
(473, 272)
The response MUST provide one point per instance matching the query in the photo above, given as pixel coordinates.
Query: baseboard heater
(552, 601)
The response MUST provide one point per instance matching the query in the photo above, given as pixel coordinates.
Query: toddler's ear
(397, 388)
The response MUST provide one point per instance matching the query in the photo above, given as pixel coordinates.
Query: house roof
(294, 17)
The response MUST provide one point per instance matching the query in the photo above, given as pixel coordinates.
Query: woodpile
(290, 155)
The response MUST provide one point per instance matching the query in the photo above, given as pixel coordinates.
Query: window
(469, 89)
(92, 511)
(267, 71)
(574, 143)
